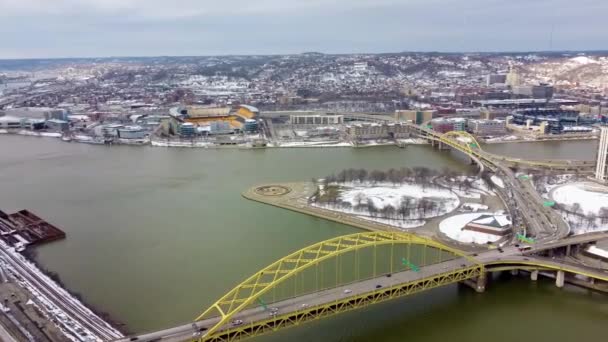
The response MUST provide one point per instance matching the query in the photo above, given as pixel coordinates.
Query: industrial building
(601, 173)
(498, 225)
(372, 131)
(415, 116)
(444, 125)
(316, 119)
(486, 127)
(542, 91)
(496, 79)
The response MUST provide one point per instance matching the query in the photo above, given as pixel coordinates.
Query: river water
(156, 235)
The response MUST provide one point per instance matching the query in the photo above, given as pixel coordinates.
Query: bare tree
(604, 215)
(359, 198)
(388, 212)
(591, 218)
(576, 208)
(371, 208)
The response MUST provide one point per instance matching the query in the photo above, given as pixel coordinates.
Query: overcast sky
(95, 28)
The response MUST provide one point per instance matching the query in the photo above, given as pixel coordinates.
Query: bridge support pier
(514, 272)
(559, 279)
(481, 283)
(568, 250)
(534, 275)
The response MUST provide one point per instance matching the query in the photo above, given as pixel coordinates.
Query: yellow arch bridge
(342, 274)
(466, 143)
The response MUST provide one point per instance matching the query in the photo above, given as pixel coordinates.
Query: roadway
(71, 307)
(508, 256)
(253, 315)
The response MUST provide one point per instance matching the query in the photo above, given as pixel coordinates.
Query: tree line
(420, 175)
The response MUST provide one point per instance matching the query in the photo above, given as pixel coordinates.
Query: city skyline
(96, 28)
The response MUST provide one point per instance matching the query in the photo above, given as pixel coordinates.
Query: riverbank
(75, 321)
(528, 139)
(294, 196)
(207, 144)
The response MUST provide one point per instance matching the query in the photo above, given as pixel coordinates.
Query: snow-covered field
(582, 193)
(387, 194)
(384, 194)
(452, 228)
(590, 196)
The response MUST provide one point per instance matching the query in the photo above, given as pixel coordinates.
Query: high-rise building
(602, 155)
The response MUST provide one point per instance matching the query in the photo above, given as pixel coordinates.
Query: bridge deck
(317, 299)
(511, 257)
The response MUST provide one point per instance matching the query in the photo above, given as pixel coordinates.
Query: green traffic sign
(262, 304)
(525, 239)
(410, 265)
(548, 203)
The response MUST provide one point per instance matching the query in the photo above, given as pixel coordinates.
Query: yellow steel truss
(468, 142)
(246, 293)
(473, 149)
(343, 305)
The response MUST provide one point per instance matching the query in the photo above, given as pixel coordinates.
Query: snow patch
(453, 228)
(474, 206)
(582, 193)
(498, 181)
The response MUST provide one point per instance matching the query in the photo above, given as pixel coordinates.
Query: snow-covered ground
(311, 144)
(412, 141)
(40, 134)
(498, 181)
(71, 327)
(384, 194)
(473, 207)
(453, 226)
(478, 187)
(159, 143)
(591, 197)
(501, 139)
(587, 195)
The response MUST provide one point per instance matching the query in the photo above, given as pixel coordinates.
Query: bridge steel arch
(246, 293)
(489, 159)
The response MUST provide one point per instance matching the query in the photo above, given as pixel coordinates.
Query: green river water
(155, 235)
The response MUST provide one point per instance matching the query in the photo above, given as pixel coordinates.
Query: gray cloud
(43, 28)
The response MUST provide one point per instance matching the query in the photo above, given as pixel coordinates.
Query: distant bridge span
(466, 143)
